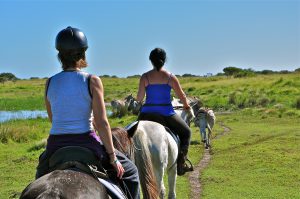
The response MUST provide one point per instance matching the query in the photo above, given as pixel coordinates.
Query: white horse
(156, 150)
(205, 118)
(120, 107)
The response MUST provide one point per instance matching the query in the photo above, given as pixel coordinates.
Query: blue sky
(199, 36)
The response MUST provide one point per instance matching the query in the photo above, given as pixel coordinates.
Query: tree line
(239, 72)
(230, 71)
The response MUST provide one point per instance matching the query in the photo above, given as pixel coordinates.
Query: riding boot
(182, 166)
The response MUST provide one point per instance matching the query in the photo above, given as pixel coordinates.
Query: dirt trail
(194, 176)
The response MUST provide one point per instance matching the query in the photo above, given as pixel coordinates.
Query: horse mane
(121, 140)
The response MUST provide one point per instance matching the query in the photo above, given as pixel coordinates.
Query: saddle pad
(113, 188)
(175, 137)
(73, 153)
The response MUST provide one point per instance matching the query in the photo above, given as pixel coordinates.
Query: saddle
(84, 160)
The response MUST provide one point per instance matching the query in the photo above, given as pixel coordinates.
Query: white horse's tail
(144, 164)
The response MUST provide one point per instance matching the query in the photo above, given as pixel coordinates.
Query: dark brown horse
(70, 184)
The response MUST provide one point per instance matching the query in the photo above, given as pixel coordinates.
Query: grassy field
(279, 93)
(258, 158)
(22, 141)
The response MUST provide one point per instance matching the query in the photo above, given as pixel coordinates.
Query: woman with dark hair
(157, 84)
(75, 105)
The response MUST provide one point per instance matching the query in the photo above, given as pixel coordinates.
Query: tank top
(158, 99)
(71, 103)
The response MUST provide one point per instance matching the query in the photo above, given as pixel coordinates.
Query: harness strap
(169, 78)
(147, 78)
(47, 86)
(82, 167)
(89, 86)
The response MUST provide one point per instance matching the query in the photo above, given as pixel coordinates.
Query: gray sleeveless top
(71, 103)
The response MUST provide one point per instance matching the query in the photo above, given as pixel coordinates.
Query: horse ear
(131, 128)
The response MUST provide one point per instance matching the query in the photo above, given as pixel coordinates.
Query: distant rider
(157, 84)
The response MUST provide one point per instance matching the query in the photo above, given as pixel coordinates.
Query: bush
(298, 103)
(230, 71)
(264, 101)
(252, 101)
(190, 89)
(7, 77)
(245, 73)
(232, 98)
(267, 72)
(15, 134)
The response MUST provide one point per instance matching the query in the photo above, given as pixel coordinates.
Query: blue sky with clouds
(199, 36)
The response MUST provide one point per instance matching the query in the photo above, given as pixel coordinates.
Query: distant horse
(187, 115)
(72, 184)
(205, 118)
(133, 105)
(119, 107)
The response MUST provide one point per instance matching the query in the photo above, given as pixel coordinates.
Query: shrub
(190, 89)
(16, 134)
(278, 81)
(252, 100)
(245, 73)
(264, 101)
(38, 145)
(298, 103)
(232, 98)
(229, 71)
(267, 72)
(8, 76)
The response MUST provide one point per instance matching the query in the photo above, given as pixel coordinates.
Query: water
(13, 115)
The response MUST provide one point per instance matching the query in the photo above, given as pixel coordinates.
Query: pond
(13, 115)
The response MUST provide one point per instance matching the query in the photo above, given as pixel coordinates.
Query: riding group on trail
(78, 163)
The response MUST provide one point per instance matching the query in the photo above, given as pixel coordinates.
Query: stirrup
(181, 170)
(190, 167)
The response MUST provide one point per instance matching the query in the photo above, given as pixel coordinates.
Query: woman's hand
(187, 107)
(117, 166)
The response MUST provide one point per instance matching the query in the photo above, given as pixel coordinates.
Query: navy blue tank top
(158, 99)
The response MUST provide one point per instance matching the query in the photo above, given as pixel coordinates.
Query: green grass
(17, 167)
(220, 93)
(24, 140)
(22, 95)
(259, 158)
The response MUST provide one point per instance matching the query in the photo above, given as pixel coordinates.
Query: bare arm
(179, 92)
(99, 112)
(47, 103)
(141, 91)
(101, 123)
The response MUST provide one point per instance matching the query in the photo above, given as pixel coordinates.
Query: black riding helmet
(71, 39)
